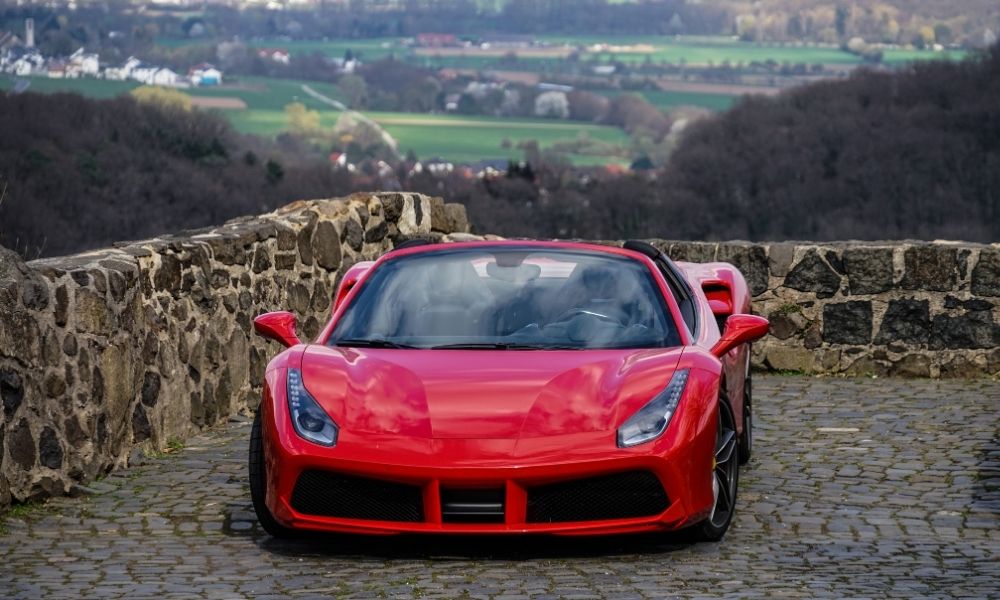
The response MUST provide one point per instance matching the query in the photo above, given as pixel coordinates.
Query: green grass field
(459, 138)
(264, 93)
(452, 137)
(257, 92)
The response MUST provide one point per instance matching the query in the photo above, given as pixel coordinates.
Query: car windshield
(508, 298)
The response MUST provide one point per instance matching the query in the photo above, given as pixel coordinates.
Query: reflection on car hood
(484, 394)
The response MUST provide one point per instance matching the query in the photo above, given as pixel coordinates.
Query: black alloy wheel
(258, 483)
(725, 477)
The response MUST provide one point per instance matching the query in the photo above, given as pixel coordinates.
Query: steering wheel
(573, 312)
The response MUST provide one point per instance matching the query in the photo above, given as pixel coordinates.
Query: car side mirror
(740, 329)
(349, 280)
(278, 326)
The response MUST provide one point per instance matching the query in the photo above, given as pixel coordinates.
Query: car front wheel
(725, 477)
(258, 483)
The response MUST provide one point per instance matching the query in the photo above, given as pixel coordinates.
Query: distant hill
(77, 173)
(880, 155)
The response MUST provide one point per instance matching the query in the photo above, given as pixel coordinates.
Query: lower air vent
(621, 496)
(329, 494)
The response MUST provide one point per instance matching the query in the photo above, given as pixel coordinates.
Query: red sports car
(511, 387)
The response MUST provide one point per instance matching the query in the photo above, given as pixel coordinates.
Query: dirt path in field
(224, 102)
(325, 99)
(388, 139)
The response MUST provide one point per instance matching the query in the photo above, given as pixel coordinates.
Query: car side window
(682, 292)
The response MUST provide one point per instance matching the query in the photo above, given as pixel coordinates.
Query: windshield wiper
(501, 346)
(484, 346)
(373, 343)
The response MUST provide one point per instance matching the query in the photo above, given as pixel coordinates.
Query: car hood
(483, 394)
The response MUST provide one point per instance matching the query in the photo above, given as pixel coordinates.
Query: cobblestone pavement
(859, 488)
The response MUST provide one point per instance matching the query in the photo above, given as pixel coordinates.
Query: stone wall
(151, 340)
(132, 346)
(918, 309)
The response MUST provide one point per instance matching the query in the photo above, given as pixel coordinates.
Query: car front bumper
(384, 484)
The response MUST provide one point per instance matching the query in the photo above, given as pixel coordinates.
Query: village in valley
(23, 59)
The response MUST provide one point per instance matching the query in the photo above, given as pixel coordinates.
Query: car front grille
(626, 495)
(328, 494)
(472, 505)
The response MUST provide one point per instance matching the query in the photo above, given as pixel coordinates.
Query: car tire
(746, 438)
(258, 483)
(727, 449)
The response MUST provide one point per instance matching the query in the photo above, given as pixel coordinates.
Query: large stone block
(693, 251)
(961, 367)
(93, 315)
(168, 277)
(20, 336)
(973, 330)
(415, 218)
(786, 324)
(50, 452)
(326, 246)
(848, 323)
(751, 260)
(393, 206)
(353, 234)
(930, 267)
(869, 270)
(458, 219)
(906, 321)
(141, 429)
(986, 274)
(377, 233)
(780, 258)
(911, 365)
(813, 274)
(35, 294)
(62, 306)
(11, 392)
(21, 446)
(150, 393)
(116, 374)
(448, 217)
(782, 358)
(867, 366)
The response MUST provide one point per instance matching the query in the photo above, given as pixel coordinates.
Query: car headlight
(310, 420)
(650, 421)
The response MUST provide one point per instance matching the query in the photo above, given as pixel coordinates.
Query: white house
(83, 64)
(164, 76)
(123, 72)
(346, 66)
(141, 72)
(204, 74)
(28, 63)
